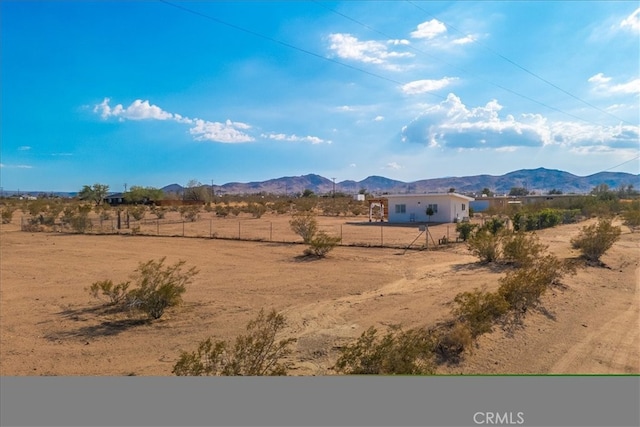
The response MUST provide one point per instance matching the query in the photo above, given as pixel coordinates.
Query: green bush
(137, 212)
(321, 244)
(522, 288)
(596, 239)
(255, 354)
(479, 310)
(397, 353)
(493, 225)
(521, 248)
(632, 218)
(159, 287)
(485, 245)
(116, 294)
(304, 224)
(465, 229)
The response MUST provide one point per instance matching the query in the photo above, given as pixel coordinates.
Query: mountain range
(539, 180)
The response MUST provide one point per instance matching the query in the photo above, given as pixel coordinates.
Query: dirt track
(49, 324)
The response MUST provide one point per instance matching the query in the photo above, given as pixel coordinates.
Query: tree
(308, 193)
(95, 193)
(452, 190)
(518, 191)
(140, 195)
(196, 191)
(488, 192)
(429, 212)
(554, 191)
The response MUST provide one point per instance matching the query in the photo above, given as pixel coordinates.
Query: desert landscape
(50, 325)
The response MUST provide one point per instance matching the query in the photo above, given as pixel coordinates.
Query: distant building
(115, 199)
(407, 208)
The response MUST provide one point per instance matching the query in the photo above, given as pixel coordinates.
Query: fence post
(427, 236)
(340, 233)
(158, 227)
(270, 231)
(238, 230)
(210, 228)
(183, 228)
(381, 235)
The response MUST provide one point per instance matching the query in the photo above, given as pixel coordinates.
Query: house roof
(115, 196)
(427, 195)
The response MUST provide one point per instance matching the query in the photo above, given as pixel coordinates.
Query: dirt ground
(50, 325)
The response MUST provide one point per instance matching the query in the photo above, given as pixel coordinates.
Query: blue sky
(152, 93)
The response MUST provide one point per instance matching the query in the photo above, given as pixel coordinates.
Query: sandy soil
(50, 325)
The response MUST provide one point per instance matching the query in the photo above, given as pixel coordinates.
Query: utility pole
(125, 187)
(334, 187)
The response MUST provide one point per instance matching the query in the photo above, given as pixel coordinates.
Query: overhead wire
(415, 49)
(526, 70)
(286, 44)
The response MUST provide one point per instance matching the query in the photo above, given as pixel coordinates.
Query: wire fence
(351, 233)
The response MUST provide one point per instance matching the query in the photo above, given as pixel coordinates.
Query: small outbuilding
(446, 207)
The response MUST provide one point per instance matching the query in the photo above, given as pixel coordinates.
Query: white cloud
(2, 165)
(378, 118)
(345, 108)
(632, 22)
(422, 86)
(346, 46)
(352, 165)
(219, 132)
(603, 85)
(393, 165)
(399, 42)
(451, 124)
(294, 138)
(429, 30)
(24, 148)
(202, 130)
(138, 110)
(465, 40)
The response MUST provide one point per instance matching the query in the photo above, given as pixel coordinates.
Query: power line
(288, 45)
(526, 70)
(623, 163)
(457, 67)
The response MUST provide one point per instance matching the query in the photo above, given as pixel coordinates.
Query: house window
(464, 207)
(434, 207)
(400, 209)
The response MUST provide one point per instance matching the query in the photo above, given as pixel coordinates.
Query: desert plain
(50, 325)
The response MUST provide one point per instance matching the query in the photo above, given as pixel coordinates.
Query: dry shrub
(115, 294)
(478, 310)
(522, 288)
(7, 214)
(304, 224)
(485, 245)
(397, 353)
(255, 354)
(451, 341)
(521, 248)
(321, 244)
(596, 239)
(157, 287)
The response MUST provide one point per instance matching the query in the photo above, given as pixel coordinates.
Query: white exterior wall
(449, 207)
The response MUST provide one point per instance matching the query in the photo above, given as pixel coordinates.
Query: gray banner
(321, 401)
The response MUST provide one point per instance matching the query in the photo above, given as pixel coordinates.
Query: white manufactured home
(446, 207)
